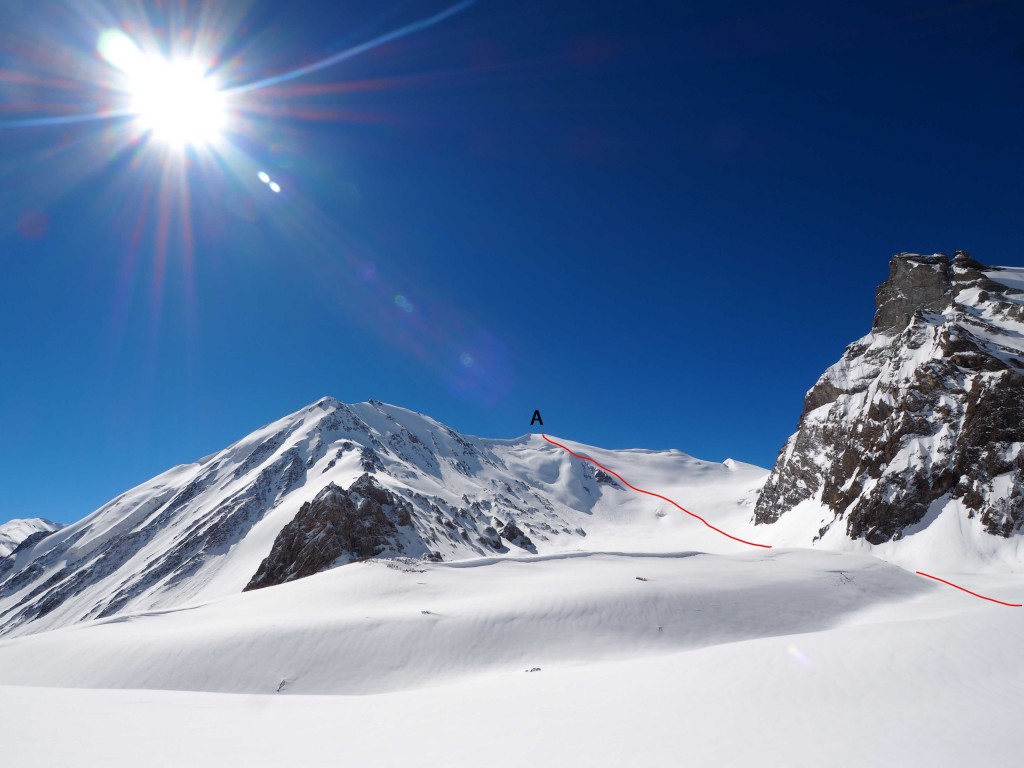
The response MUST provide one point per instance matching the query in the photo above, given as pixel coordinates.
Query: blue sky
(655, 222)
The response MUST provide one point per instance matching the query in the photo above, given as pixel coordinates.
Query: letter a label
(537, 419)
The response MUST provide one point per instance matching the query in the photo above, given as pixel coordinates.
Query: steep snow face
(14, 532)
(916, 432)
(203, 531)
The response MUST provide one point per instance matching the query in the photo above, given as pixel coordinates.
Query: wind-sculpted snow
(929, 681)
(384, 625)
(202, 531)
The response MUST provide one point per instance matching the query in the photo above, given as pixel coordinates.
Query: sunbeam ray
(294, 74)
(348, 53)
(41, 122)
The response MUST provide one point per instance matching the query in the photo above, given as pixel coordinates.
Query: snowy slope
(633, 635)
(200, 531)
(14, 532)
(904, 697)
(386, 625)
(768, 658)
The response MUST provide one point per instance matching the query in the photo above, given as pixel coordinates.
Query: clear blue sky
(655, 222)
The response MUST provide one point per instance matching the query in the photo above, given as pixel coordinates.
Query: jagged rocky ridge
(922, 415)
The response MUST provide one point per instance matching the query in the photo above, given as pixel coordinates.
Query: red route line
(950, 583)
(657, 496)
(743, 541)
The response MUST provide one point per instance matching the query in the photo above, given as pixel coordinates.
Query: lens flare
(119, 50)
(801, 658)
(172, 99)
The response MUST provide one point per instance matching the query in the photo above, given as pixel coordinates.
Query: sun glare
(177, 103)
(173, 100)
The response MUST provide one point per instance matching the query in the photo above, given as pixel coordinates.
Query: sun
(173, 100)
(177, 103)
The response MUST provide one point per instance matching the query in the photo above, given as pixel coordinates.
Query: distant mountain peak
(327, 484)
(15, 533)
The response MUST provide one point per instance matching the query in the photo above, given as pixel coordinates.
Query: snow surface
(1012, 277)
(769, 658)
(378, 625)
(635, 636)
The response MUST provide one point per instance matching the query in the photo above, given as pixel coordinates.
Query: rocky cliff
(922, 415)
(336, 526)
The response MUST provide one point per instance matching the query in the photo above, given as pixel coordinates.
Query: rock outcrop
(925, 411)
(336, 526)
(513, 534)
(489, 538)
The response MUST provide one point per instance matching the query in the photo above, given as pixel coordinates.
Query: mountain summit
(920, 420)
(914, 436)
(333, 483)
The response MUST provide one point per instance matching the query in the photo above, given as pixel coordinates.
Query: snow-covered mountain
(333, 483)
(913, 440)
(14, 532)
(909, 448)
(510, 602)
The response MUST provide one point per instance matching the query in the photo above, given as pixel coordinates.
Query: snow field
(382, 626)
(928, 681)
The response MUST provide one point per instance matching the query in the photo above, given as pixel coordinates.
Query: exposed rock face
(12, 543)
(355, 524)
(915, 283)
(370, 461)
(926, 410)
(489, 538)
(515, 536)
